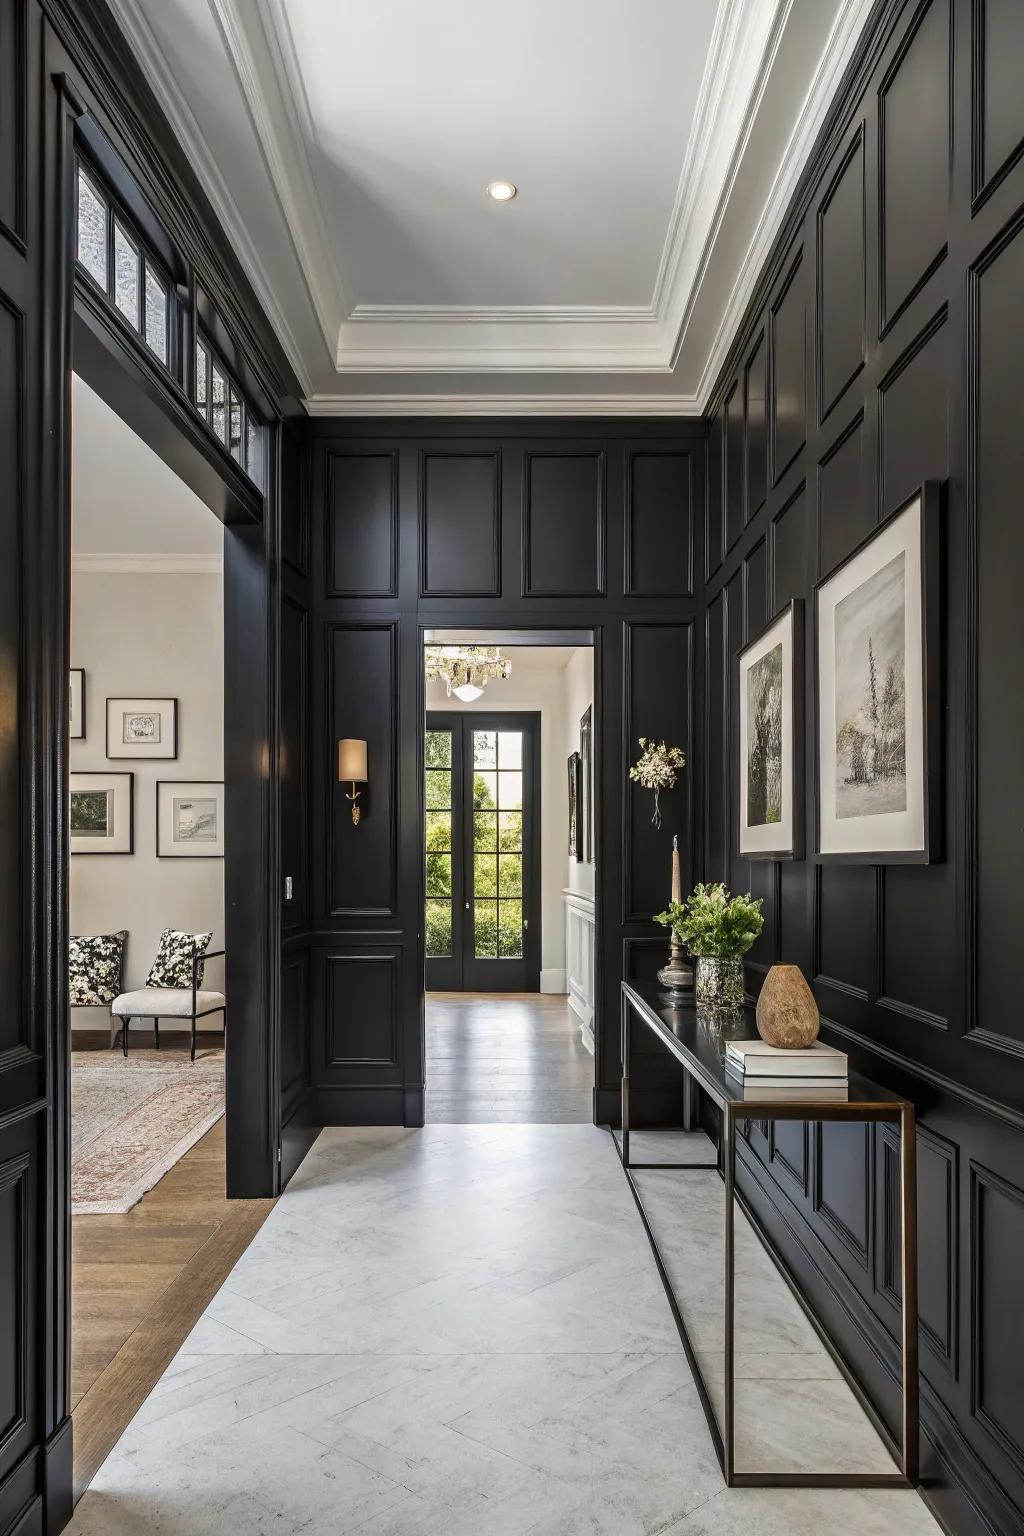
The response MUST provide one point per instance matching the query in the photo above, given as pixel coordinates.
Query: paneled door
(481, 836)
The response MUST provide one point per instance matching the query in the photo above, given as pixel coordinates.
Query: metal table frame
(887, 1108)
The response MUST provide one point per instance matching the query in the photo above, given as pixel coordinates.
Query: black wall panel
(841, 278)
(998, 117)
(361, 1014)
(733, 492)
(913, 416)
(564, 524)
(756, 455)
(791, 551)
(294, 1027)
(845, 514)
(460, 524)
(362, 524)
(362, 691)
(294, 754)
(659, 514)
(657, 681)
(788, 400)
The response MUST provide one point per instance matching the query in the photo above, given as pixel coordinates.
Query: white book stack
(767, 1071)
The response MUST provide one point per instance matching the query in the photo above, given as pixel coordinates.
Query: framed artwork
(877, 679)
(575, 797)
(587, 774)
(76, 703)
(771, 739)
(142, 728)
(101, 812)
(190, 819)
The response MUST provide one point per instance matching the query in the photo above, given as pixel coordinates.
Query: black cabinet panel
(364, 701)
(789, 370)
(460, 529)
(361, 1003)
(999, 113)
(845, 513)
(913, 417)
(733, 496)
(791, 547)
(756, 387)
(915, 158)
(362, 524)
(1000, 583)
(563, 525)
(841, 279)
(659, 528)
(997, 1304)
(846, 922)
(659, 690)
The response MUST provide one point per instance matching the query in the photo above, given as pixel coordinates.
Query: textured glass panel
(510, 791)
(439, 928)
(510, 749)
(127, 276)
(510, 875)
(439, 874)
(485, 874)
(156, 314)
(510, 930)
(510, 831)
(254, 451)
(485, 787)
(92, 230)
(485, 929)
(485, 749)
(438, 749)
(438, 789)
(485, 831)
(439, 831)
(235, 427)
(202, 369)
(219, 417)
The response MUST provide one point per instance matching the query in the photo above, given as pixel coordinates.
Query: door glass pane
(439, 831)
(485, 790)
(510, 791)
(510, 875)
(439, 874)
(485, 749)
(219, 419)
(510, 930)
(156, 314)
(510, 749)
(235, 427)
(510, 831)
(438, 749)
(485, 831)
(126, 275)
(439, 789)
(439, 929)
(485, 874)
(92, 230)
(485, 929)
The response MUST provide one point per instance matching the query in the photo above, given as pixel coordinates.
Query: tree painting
(871, 712)
(764, 748)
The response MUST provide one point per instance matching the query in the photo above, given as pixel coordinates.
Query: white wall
(539, 682)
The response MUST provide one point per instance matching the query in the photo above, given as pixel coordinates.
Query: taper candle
(677, 874)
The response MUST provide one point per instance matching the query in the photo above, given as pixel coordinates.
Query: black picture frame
(574, 766)
(931, 498)
(148, 757)
(106, 853)
(795, 610)
(78, 672)
(587, 773)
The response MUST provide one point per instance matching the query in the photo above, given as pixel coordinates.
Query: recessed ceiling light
(502, 191)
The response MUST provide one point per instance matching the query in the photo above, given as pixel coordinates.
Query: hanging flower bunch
(657, 768)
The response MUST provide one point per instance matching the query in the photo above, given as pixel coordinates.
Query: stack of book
(818, 1071)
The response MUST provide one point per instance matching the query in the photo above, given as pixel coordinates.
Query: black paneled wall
(591, 526)
(885, 347)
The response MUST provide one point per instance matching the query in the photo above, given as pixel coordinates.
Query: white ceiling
(126, 505)
(346, 147)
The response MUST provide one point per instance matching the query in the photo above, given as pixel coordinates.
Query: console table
(681, 1030)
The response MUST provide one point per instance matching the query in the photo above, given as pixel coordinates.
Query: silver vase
(719, 983)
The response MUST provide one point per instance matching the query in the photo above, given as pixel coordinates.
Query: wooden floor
(139, 1283)
(505, 1057)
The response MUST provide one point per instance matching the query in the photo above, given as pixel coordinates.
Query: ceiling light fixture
(502, 191)
(466, 669)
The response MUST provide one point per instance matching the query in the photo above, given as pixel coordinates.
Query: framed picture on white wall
(142, 728)
(189, 819)
(101, 812)
(76, 703)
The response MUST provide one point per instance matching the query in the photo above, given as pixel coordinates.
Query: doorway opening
(510, 871)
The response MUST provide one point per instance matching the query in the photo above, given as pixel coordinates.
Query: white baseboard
(552, 980)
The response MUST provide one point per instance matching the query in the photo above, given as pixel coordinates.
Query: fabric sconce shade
(352, 770)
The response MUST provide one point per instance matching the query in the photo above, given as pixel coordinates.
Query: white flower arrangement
(657, 768)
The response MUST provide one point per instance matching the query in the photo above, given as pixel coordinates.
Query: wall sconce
(352, 770)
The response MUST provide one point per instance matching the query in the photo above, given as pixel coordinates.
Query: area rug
(131, 1120)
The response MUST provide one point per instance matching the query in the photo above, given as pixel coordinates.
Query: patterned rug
(131, 1120)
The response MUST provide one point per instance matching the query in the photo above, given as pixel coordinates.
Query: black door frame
(480, 978)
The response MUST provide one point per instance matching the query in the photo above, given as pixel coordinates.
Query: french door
(481, 836)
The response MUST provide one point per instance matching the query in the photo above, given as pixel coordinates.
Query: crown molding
(133, 22)
(504, 405)
(147, 565)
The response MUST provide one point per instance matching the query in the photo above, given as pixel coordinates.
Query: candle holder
(677, 976)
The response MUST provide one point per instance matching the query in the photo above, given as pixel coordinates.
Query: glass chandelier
(466, 670)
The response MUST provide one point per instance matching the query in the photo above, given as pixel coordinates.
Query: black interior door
(483, 852)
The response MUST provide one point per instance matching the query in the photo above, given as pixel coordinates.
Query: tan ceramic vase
(787, 1015)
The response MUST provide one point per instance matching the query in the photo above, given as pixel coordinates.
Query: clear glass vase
(719, 983)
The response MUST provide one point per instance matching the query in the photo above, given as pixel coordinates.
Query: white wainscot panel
(580, 931)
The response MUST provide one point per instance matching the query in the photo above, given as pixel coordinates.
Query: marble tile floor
(461, 1331)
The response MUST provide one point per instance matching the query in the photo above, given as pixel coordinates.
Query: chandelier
(466, 670)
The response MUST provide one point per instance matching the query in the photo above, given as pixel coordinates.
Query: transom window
(117, 261)
(231, 418)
